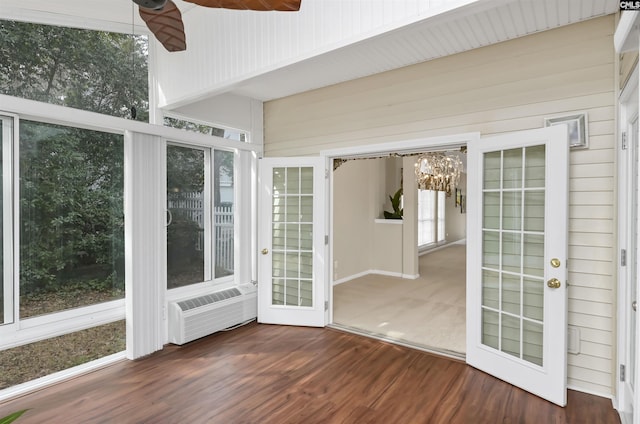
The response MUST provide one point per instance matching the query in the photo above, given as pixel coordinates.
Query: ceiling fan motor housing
(151, 4)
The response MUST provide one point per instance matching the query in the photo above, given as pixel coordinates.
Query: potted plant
(395, 204)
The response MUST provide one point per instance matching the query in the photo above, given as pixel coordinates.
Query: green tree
(71, 208)
(71, 180)
(222, 161)
(98, 71)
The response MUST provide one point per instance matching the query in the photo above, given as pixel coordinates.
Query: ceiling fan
(165, 20)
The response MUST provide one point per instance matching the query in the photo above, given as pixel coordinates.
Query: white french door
(628, 223)
(291, 241)
(516, 256)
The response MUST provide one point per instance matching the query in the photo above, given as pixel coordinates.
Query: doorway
(383, 283)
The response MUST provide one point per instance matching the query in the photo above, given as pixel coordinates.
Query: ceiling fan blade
(260, 5)
(166, 24)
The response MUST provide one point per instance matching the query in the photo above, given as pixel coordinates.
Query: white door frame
(446, 142)
(628, 111)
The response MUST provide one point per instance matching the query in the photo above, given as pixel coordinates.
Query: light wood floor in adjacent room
(267, 374)
(429, 311)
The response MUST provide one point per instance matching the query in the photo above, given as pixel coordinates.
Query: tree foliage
(71, 207)
(71, 180)
(98, 71)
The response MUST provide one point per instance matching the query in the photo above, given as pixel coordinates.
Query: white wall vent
(190, 319)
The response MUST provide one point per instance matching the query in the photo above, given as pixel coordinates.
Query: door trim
(628, 109)
(374, 150)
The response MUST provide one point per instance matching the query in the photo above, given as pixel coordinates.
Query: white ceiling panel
(342, 40)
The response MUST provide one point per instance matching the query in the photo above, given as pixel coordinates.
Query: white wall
(455, 222)
(360, 195)
(228, 111)
(496, 89)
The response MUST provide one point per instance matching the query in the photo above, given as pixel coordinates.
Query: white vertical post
(145, 243)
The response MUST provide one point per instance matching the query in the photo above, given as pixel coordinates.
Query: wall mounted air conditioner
(196, 317)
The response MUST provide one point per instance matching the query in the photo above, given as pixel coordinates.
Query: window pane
(426, 217)
(441, 215)
(223, 196)
(185, 201)
(71, 229)
(99, 71)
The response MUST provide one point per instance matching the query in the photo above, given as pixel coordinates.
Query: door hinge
(326, 240)
(622, 370)
(326, 173)
(623, 257)
(326, 305)
(624, 141)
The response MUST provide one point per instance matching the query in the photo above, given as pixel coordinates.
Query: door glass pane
(512, 172)
(511, 210)
(513, 252)
(535, 168)
(186, 202)
(534, 210)
(71, 217)
(292, 231)
(533, 292)
(490, 289)
(491, 209)
(510, 335)
(491, 249)
(532, 342)
(492, 166)
(490, 333)
(511, 294)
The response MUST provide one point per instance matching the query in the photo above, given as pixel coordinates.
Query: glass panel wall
(186, 245)
(200, 201)
(71, 218)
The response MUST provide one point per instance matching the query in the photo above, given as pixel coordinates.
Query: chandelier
(438, 171)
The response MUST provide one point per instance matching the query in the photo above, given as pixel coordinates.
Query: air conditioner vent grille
(197, 302)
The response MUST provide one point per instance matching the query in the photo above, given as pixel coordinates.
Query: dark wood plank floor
(277, 374)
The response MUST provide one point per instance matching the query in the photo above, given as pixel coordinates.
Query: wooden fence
(190, 205)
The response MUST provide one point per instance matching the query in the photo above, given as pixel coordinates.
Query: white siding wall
(500, 88)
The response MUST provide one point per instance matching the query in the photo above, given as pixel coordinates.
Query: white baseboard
(376, 272)
(351, 277)
(386, 273)
(592, 392)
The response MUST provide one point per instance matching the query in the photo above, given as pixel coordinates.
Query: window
(431, 217)
(205, 128)
(200, 200)
(71, 218)
(98, 71)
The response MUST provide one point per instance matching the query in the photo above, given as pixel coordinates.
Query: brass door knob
(265, 251)
(554, 283)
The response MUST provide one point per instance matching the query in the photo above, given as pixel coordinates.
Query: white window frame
(69, 321)
(211, 282)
